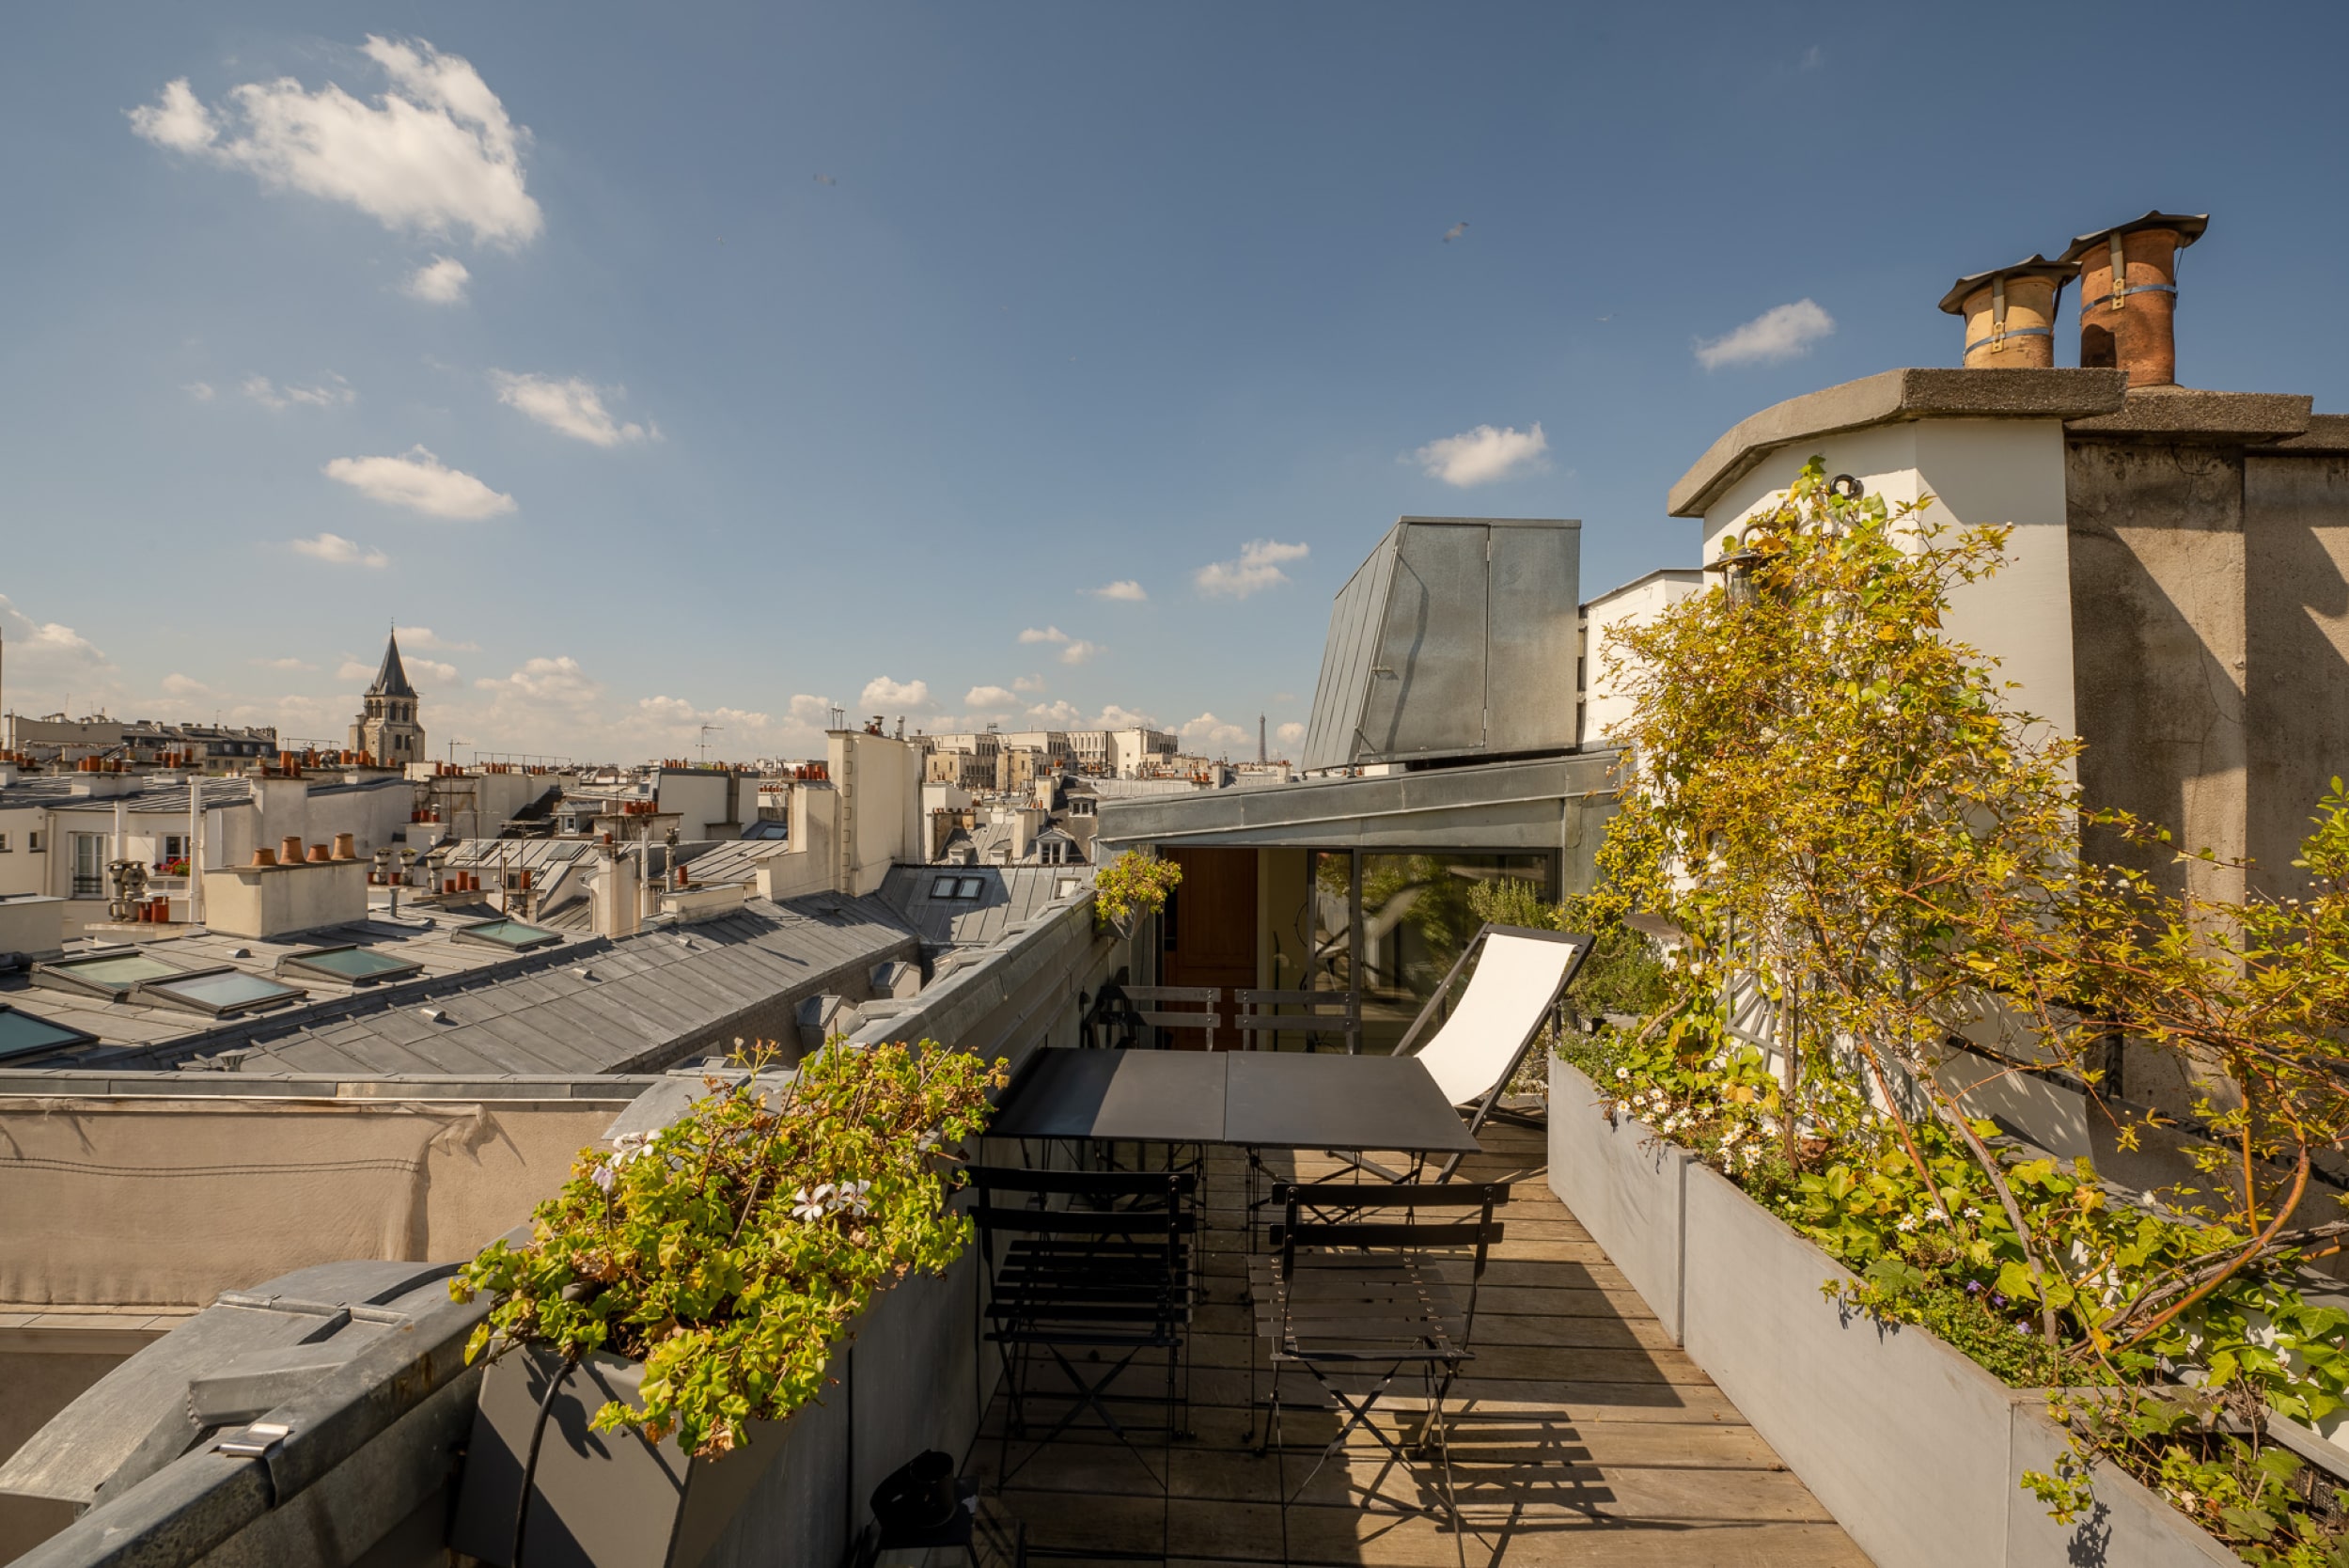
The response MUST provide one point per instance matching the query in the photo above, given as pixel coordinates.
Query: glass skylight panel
(512, 935)
(103, 974)
(22, 1032)
(222, 991)
(941, 887)
(970, 888)
(353, 965)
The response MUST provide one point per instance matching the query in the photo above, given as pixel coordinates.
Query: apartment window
(34, 843)
(174, 847)
(4, 843)
(90, 865)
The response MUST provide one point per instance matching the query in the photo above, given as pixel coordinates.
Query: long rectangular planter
(1916, 1451)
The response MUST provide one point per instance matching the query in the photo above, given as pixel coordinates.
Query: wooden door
(1208, 936)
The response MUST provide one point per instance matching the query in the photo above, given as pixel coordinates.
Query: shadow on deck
(1579, 1434)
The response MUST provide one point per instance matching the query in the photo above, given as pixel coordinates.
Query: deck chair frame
(1488, 1104)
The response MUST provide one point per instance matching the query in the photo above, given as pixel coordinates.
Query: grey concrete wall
(2296, 702)
(2157, 645)
(1626, 1187)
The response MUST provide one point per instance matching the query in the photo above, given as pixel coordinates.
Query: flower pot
(598, 1500)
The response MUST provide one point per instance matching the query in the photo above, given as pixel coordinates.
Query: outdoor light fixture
(1736, 566)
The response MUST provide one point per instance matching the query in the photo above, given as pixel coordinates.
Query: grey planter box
(598, 1500)
(1916, 1451)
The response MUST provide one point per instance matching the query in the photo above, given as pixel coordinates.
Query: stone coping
(1888, 398)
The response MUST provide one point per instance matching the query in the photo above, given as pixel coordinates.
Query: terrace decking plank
(1580, 1433)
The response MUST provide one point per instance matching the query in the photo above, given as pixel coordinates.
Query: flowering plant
(732, 1249)
(1131, 887)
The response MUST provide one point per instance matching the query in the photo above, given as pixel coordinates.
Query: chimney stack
(2010, 313)
(2129, 294)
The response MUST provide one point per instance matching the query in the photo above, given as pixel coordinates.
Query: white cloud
(177, 685)
(1124, 588)
(354, 669)
(882, 693)
(1115, 717)
(419, 481)
(1063, 714)
(1258, 568)
(1078, 652)
(814, 712)
(560, 680)
(424, 637)
(1043, 634)
(340, 551)
(990, 700)
(1029, 684)
(1289, 735)
(200, 390)
(434, 153)
(261, 391)
(1781, 332)
(433, 668)
(439, 281)
(1484, 455)
(288, 662)
(573, 407)
(1208, 730)
(48, 661)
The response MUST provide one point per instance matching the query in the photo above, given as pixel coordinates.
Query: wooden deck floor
(1580, 1436)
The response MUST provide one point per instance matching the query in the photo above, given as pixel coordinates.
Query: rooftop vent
(2010, 313)
(1456, 639)
(2129, 294)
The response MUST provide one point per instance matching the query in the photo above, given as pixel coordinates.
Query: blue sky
(674, 431)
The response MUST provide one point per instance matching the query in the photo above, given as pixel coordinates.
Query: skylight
(352, 964)
(22, 1033)
(222, 991)
(512, 935)
(109, 975)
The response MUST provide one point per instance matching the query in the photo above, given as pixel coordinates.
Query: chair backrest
(1333, 1214)
(1316, 1013)
(1519, 977)
(1101, 1203)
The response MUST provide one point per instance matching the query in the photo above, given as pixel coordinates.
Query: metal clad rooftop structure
(1455, 638)
(932, 898)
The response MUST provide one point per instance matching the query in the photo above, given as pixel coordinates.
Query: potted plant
(686, 1292)
(1131, 888)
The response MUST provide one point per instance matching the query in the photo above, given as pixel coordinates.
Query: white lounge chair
(1519, 977)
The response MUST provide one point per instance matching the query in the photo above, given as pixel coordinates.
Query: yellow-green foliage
(1132, 888)
(732, 1249)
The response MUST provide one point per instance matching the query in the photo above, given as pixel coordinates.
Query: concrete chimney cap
(2034, 265)
(2189, 227)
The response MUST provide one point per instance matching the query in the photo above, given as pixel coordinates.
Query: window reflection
(1415, 920)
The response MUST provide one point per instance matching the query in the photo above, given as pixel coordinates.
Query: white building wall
(1603, 706)
(1977, 471)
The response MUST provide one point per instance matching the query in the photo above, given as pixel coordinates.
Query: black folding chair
(1318, 1015)
(1199, 1008)
(1108, 1275)
(1349, 1290)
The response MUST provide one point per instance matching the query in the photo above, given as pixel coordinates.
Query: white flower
(604, 1176)
(1622, 1074)
(1972, 1212)
(1906, 1222)
(812, 1205)
(852, 1196)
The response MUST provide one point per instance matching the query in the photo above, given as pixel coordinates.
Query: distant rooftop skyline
(1049, 367)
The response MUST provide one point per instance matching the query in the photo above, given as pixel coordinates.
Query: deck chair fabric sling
(1520, 975)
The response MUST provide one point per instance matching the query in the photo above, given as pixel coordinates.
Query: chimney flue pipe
(2010, 313)
(2129, 294)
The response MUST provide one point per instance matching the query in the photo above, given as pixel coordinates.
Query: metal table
(1252, 1099)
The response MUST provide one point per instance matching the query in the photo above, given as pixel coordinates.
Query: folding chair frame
(1435, 1349)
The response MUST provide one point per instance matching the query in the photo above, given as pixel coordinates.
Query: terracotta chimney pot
(2010, 313)
(263, 857)
(288, 850)
(346, 846)
(2129, 294)
(319, 855)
